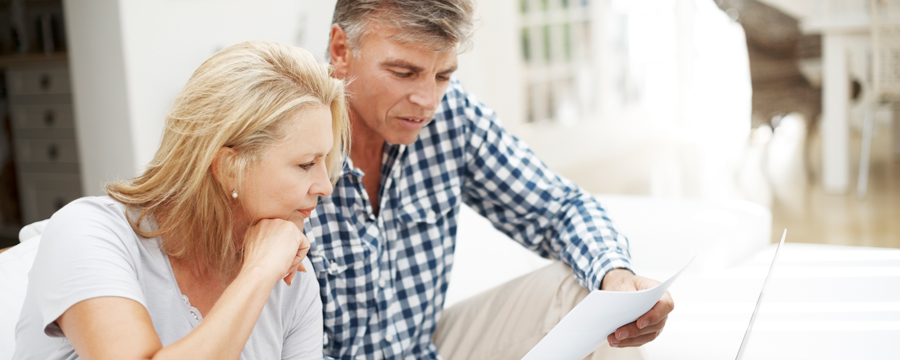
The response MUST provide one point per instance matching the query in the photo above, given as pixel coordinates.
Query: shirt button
(388, 337)
(382, 283)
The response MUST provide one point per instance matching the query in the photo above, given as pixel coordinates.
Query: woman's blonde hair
(242, 98)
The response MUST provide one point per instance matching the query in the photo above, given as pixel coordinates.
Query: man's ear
(339, 48)
(223, 168)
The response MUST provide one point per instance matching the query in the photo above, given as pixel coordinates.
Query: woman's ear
(223, 168)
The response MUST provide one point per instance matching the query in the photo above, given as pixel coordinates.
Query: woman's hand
(277, 247)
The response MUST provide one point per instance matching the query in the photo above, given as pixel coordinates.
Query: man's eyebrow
(449, 70)
(409, 66)
(400, 63)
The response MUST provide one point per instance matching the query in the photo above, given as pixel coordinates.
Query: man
(422, 146)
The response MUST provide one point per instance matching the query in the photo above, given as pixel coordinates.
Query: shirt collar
(350, 169)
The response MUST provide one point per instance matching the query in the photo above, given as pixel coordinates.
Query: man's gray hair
(440, 25)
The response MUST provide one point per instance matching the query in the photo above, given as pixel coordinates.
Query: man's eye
(307, 166)
(443, 78)
(402, 74)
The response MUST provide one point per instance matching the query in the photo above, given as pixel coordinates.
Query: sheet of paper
(585, 328)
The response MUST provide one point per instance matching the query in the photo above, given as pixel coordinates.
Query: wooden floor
(816, 217)
(797, 201)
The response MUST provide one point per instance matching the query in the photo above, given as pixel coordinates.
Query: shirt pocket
(338, 246)
(430, 205)
(335, 261)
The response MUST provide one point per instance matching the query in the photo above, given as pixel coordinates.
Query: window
(557, 49)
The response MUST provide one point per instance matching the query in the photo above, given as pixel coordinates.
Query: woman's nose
(322, 184)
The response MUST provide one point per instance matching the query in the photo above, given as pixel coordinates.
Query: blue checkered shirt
(384, 278)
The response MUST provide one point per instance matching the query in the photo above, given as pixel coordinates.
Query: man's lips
(413, 118)
(306, 212)
(413, 122)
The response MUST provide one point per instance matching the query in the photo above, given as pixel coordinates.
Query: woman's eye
(307, 166)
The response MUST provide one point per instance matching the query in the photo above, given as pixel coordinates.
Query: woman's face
(291, 176)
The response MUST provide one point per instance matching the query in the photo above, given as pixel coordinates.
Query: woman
(184, 261)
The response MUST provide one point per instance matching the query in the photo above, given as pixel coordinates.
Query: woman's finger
(289, 279)
(300, 267)
(296, 265)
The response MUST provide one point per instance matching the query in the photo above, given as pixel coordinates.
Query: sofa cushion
(14, 266)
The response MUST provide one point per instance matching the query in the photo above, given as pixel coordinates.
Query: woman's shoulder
(90, 218)
(91, 207)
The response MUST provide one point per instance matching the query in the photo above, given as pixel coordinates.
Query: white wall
(129, 59)
(492, 69)
(164, 41)
(97, 67)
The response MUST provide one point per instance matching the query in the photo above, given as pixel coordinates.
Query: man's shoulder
(464, 109)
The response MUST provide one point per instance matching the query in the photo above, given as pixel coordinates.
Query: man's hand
(648, 326)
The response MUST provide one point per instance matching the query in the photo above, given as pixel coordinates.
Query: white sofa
(14, 266)
(664, 234)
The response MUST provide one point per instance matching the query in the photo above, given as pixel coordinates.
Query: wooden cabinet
(44, 143)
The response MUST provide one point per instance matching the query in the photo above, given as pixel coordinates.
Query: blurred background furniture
(777, 50)
(43, 129)
(850, 30)
(885, 83)
(39, 162)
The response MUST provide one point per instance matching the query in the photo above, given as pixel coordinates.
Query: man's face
(394, 87)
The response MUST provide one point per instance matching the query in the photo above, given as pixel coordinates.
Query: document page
(585, 328)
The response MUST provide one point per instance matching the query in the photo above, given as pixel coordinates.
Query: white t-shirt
(89, 250)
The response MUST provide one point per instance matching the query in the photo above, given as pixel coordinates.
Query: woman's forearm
(225, 329)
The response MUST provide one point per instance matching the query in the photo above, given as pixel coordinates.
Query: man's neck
(367, 146)
(366, 153)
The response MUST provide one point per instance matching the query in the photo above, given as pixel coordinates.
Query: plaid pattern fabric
(383, 278)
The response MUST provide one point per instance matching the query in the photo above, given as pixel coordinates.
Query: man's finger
(635, 341)
(659, 311)
(650, 328)
(631, 330)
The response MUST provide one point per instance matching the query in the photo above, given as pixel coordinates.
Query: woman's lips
(306, 212)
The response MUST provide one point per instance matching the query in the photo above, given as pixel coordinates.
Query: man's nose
(425, 95)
